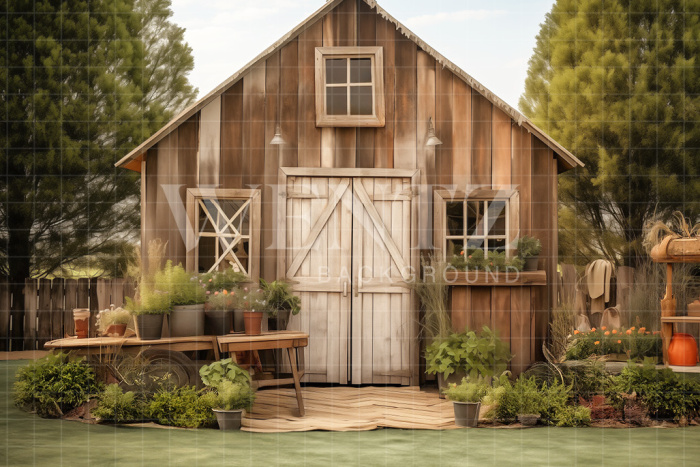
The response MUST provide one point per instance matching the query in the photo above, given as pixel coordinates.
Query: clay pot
(683, 350)
(253, 322)
(115, 330)
(81, 316)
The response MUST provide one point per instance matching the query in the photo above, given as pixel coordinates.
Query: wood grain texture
(43, 311)
(150, 221)
(232, 137)
(425, 155)
(521, 173)
(346, 36)
(57, 307)
(461, 134)
(501, 312)
(255, 174)
(444, 103)
(188, 134)
(460, 308)
(295, 76)
(328, 134)
(268, 259)
(481, 308)
(366, 36)
(210, 144)
(405, 103)
(5, 312)
(384, 136)
(481, 139)
(520, 329)
(502, 148)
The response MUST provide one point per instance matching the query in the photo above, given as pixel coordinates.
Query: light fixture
(432, 139)
(277, 139)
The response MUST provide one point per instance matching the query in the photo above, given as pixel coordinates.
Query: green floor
(26, 439)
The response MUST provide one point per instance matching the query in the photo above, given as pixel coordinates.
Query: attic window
(349, 87)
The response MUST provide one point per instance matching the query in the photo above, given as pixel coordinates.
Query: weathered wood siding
(481, 146)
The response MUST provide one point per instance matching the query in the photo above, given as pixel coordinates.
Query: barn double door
(348, 254)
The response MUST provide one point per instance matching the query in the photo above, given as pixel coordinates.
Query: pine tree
(617, 82)
(81, 84)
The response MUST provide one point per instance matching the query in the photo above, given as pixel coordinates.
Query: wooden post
(5, 300)
(668, 308)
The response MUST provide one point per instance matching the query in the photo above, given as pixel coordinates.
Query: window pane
(454, 247)
(497, 218)
(336, 71)
(475, 221)
(455, 218)
(207, 253)
(475, 244)
(336, 101)
(497, 245)
(240, 251)
(360, 70)
(361, 100)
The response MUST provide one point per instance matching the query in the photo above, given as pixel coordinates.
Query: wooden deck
(349, 409)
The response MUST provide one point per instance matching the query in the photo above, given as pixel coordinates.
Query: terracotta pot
(253, 322)
(683, 350)
(81, 316)
(115, 330)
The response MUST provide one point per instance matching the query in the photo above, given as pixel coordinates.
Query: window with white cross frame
(226, 230)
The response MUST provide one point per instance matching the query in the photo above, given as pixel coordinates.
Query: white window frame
(442, 197)
(195, 196)
(375, 54)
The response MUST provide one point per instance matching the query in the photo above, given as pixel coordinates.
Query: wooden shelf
(683, 369)
(497, 279)
(680, 319)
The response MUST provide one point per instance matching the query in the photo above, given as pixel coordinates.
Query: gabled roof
(566, 159)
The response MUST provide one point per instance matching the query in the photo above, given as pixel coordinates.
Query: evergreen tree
(82, 83)
(617, 82)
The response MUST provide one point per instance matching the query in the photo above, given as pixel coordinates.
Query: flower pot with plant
(528, 399)
(148, 309)
(187, 296)
(466, 353)
(281, 303)
(112, 322)
(529, 249)
(230, 392)
(216, 316)
(466, 398)
(253, 304)
(218, 312)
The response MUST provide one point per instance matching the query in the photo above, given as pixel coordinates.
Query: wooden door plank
(268, 257)
(210, 144)
(232, 137)
(71, 302)
(443, 125)
(346, 36)
(328, 133)
(405, 102)
(188, 144)
(381, 312)
(384, 136)
(257, 127)
(481, 140)
(461, 134)
(44, 313)
(520, 329)
(366, 36)
(425, 71)
(480, 307)
(460, 309)
(295, 81)
(345, 275)
(501, 312)
(502, 148)
(522, 176)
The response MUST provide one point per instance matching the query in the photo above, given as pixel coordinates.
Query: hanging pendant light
(277, 139)
(432, 139)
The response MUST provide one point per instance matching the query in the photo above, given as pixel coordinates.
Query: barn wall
(481, 144)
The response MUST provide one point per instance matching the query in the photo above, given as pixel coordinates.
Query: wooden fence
(48, 308)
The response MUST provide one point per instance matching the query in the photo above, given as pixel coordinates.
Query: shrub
(636, 343)
(279, 297)
(224, 370)
(467, 391)
(573, 416)
(526, 396)
(588, 379)
(53, 385)
(231, 396)
(474, 260)
(528, 247)
(484, 355)
(228, 279)
(183, 407)
(118, 406)
(182, 287)
(665, 394)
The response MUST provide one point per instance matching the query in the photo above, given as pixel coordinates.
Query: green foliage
(474, 260)
(573, 416)
(182, 287)
(221, 300)
(231, 396)
(528, 247)
(183, 407)
(110, 316)
(587, 379)
(279, 297)
(467, 390)
(228, 279)
(636, 343)
(431, 289)
(527, 396)
(616, 82)
(249, 299)
(483, 355)
(224, 370)
(53, 385)
(118, 406)
(666, 395)
(84, 82)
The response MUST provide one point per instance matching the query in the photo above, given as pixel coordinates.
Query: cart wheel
(171, 367)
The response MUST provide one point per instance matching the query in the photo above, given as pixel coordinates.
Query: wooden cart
(674, 250)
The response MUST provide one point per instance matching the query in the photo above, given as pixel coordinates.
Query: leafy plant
(221, 300)
(528, 247)
(587, 379)
(231, 396)
(279, 297)
(224, 370)
(148, 299)
(119, 406)
(432, 293)
(183, 407)
(665, 394)
(228, 279)
(483, 355)
(573, 416)
(467, 390)
(110, 316)
(636, 343)
(497, 261)
(53, 385)
(183, 288)
(251, 300)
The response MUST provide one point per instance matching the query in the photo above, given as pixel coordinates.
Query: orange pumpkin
(683, 350)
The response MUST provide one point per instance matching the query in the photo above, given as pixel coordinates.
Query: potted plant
(528, 400)
(218, 312)
(216, 316)
(466, 354)
(148, 310)
(280, 303)
(529, 249)
(231, 392)
(187, 297)
(112, 322)
(253, 304)
(214, 373)
(466, 398)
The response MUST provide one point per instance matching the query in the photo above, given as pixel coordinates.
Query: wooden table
(112, 344)
(289, 340)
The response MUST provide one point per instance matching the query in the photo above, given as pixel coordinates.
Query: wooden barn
(334, 159)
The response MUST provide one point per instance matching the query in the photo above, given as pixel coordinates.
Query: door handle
(356, 286)
(345, 289)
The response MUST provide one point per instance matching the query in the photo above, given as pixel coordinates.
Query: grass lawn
(26, 439)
